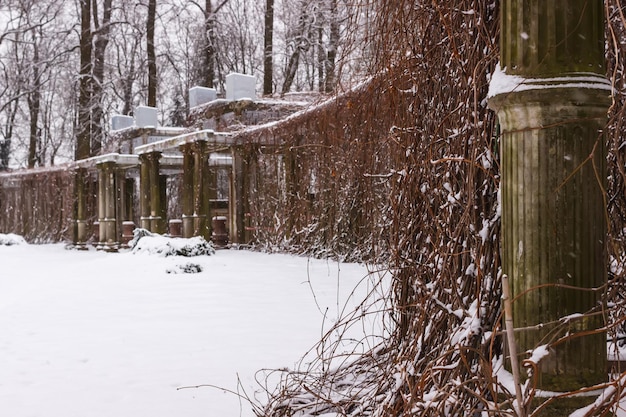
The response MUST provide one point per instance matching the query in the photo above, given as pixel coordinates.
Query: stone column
(153, 211)
(81, 230)
(107, 202)
(187, 190)
(236, 198)
(195, 199)
(144, 191)
(125, 223)
(200, 197)
(551, 99)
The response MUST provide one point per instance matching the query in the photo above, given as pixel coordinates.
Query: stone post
(151, 199)
(81, 233)
(187, 189)
(237, 197)
(200, 197)
(195, 199)
(551, 98)
(144, 192)
(107, 202)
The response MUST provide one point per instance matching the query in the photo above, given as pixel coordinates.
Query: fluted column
(187, 190)
(153, 210)
(200, 196)
(551, 97)
(195, 199)
(237, 197)
(80, 210)
(107, 199)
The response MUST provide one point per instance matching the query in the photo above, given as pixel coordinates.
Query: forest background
(67, 65)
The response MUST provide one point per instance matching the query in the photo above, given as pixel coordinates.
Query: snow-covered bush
(11, 239)
(153, 243)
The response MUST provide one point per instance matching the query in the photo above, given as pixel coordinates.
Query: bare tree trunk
(268, 67)
(34, 105)
(102, 30)
(152, 69)
(5, 144)
(128, 78)
(208, 69)
(321, 55)
(300, 44)
(331, 80)
(207, 75)
(11, 108)
(292, 67)
(83, 131)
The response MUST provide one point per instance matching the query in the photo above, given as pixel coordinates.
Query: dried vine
(403, 171)
(437, 58)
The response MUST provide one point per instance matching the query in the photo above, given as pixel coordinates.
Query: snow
(503, 83)
(11, 239)
(155, 244)
(96, 334)
(539, 353)
(507, 383)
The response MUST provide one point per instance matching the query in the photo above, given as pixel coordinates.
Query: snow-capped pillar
(551, 97)
(152, 189)
(80, 209)
(107, 199)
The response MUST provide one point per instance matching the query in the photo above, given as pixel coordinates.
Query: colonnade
(116, 175)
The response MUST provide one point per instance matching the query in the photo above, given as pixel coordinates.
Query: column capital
(150, 156)
(534, 103)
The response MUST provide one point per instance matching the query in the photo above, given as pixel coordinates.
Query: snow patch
(11, 239)
(539, 353)
(155, 244)
(503, 83)
(188, 268)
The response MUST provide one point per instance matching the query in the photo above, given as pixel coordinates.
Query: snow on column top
(240, 86)
(146, 116)
(503, 83)
(119, 122)
(200, 95)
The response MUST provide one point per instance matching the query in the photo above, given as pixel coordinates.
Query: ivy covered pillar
(238, 199)
(152, 189)
(551, 97)
(187, 190)
(81, 233)
(200, 188)
(107, 203)
(195, 198)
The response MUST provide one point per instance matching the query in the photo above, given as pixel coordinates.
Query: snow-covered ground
(95, 334)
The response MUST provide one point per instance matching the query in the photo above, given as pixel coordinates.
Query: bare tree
(333, 43)
(299, 44)
(152, 67)
(83, 130)
(268, 50)
(34, 104)
(209, 40)
(102, 28)
(10, 92)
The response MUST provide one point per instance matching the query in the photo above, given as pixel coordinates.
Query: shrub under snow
(152, 243)
(11, 239)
